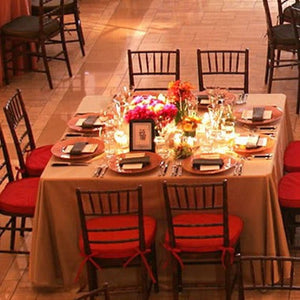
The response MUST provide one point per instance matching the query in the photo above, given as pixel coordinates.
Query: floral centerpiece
(151, 107)
(189, 124)
(180, 93)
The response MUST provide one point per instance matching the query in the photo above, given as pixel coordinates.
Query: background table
(253, 196)
(10, 9)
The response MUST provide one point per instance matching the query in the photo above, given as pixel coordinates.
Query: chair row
(231, 66)
(46, 26)
(115, 232)
(18, 198)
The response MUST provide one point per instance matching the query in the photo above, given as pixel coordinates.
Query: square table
(55, 256)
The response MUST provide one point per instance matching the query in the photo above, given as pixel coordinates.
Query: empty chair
(17, 200)
(267, 273)
(282, 37)
(284, 10)
(71, 8)
(116, 233)
(153, 70)
(200, 230)
(291, 159)
(289, 199)
(230, 66)
(97, 292)
(32, 159)
(18, 35)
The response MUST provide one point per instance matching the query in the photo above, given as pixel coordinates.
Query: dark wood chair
(232, 65)
(103, 291)
(284, 10)
(32, 159)
(149, 66)
(267, 273)
(18, 35)
(200, 231)
(71, 8)
(281, 37)
(17, 201)
(289, 200)
(116, 233)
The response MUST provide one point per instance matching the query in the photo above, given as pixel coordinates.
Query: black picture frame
(141, 135)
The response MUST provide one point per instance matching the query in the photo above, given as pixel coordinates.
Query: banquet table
(10, 9)
(55, 256)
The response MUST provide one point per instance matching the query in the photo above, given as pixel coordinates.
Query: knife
(104, 169)
(68, 164)
(267, 155)
(165, 168)
(98, 172)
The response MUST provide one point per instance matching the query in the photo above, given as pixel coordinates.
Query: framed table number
(141, 135)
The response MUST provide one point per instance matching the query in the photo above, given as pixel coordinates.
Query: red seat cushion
(292, 157)
(37, 160)
(289, 190)
(19, 197)
(118, 250)
(205, 245)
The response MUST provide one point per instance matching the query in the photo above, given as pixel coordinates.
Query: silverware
(68, 164)
(174, 169)
(98, 172)
(266, 155)
(161, 168)
(104, 169)
(179, 171)
(165, 168)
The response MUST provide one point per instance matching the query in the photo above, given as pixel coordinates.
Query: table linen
(55, 257)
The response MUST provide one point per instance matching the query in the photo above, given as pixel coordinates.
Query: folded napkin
(203, 99)
(198, 162)
(258, 114)
(89, 121)
(144, 160)
(78, 148)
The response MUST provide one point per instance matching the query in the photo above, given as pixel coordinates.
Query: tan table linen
(55, 256)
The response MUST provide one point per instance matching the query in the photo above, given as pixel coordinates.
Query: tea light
(121, 138)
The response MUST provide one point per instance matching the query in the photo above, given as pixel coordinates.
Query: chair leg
(298, 92)
(46, 65)
(227, 271)
(65, 52)
(13, 233)
(79, 31)
(23, 223)
(267, 65)
(271, 69)
(144, 277)
(154, 268)
(92, 276)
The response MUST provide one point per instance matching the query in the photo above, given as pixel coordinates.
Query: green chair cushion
(28, 27)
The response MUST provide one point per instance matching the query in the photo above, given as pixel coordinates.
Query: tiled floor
(110, 28)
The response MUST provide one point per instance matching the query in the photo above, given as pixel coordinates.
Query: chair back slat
(223, 63)
(201, 198)
(267, 273)
(156, 65)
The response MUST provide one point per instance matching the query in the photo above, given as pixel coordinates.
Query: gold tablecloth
(55, 254)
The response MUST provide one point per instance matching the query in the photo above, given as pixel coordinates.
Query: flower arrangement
(151, 107)
(189, 124)
(183, 150)
(179, 93)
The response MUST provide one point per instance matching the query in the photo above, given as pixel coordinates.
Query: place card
(134, 155)
(209, 167)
